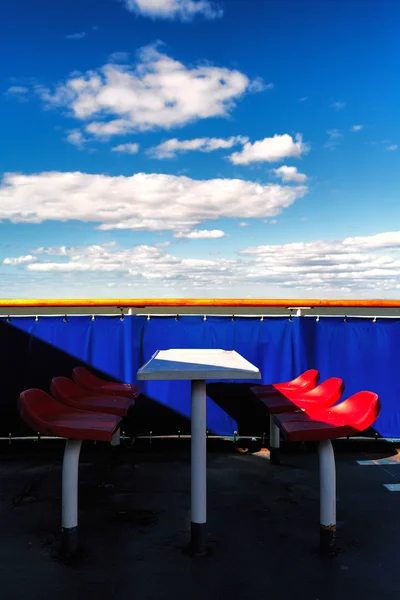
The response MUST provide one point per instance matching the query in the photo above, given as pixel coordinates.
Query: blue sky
(198, 148)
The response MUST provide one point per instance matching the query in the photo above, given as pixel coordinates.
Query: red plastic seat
(47, 416)
(350, 417)
(67, 392)
(304, 382)
(325, 394)
(85, 379)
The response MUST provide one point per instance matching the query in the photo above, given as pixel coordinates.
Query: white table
(198, 366)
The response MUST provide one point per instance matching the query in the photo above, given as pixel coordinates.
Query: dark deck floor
(134, 520)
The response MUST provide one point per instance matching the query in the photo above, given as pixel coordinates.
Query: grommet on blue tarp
(317, 319)
(233, 318)
(8, 319)
(37, 318)
(345, 319)
(262, 319)
(65, 319)
(205, 318)
(122, 317)
(148, 317)
(177, 318)
(93, 318)
(374, 320)
(291, 318)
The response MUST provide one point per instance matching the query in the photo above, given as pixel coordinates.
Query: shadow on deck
(135, 519)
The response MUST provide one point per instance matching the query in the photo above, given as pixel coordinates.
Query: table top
(197, 364)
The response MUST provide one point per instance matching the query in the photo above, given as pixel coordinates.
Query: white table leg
(199, 468)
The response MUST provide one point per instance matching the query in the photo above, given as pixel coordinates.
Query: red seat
(304, 382)
(47, 416)
(85, 379)
(350, 417)
(67, 392)
(325, 394)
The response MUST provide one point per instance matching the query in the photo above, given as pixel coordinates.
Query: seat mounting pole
(70, 473)
(327, 478)
(274, 441)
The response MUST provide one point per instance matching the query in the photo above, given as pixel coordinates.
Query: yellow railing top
(194, 302)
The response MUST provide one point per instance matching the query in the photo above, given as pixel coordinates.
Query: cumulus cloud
(127, 148)
(338, 105)
(140, 202)
(170, 148)
(17, 90)
(117, 57)
(183, 10)
(75, 36)
(270, 149)
(157, 92)
(334, 133)
(76, 137)
(290, 174)
(20, 260)
(392, 147)
(201, 234)
(333, 138)
(355, 263)
(367, 265)
(357, 128)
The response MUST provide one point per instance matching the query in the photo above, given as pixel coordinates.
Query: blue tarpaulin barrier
(364, 353)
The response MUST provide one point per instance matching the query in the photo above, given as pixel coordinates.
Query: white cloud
(270, 150)
(157, 92)
(357, 127)
(366, 265)
(333, 138)
(27, 258)
(140, 202)
(76, 137)
(117, 57)
(17, 90)
(201, 234)
(243, 224)
(389, 239)
(75, 36)
(334, 133)
(290, 174)
(392, 147)
(338, 105)
(183, 10)
(127, 148)
(356, 263)
(170, 148)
